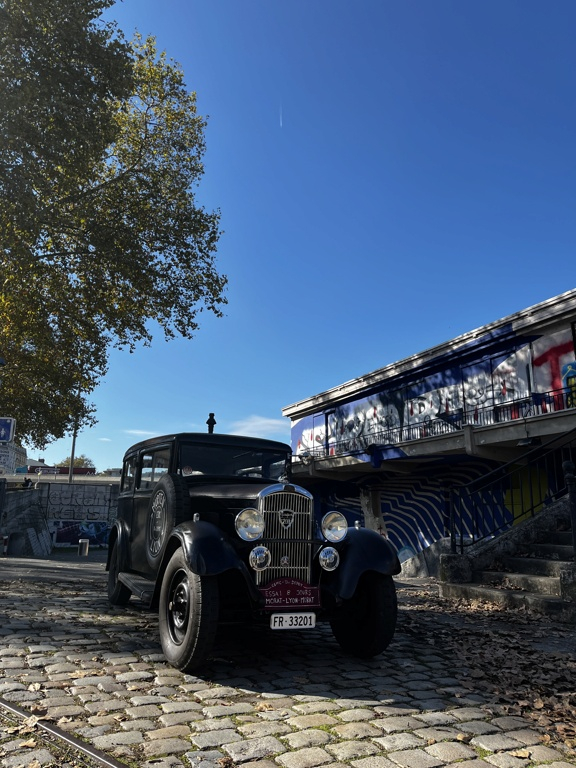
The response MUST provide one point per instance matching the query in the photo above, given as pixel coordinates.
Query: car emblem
(286, 518)
(285, 561)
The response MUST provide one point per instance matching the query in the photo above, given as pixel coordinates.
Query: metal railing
(511, 493)
(536, 404)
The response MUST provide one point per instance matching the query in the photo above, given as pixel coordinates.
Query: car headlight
(249, 524)
(260, 558)
(334, 526)
(329, 559)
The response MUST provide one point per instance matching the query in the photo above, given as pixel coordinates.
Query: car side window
(154, 465)
(128, 475)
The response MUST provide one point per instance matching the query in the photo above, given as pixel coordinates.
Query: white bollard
(83, 545)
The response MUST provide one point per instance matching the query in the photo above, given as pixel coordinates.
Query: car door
(125, 511)
(152, 464)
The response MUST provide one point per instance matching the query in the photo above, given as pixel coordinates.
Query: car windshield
(232, 461)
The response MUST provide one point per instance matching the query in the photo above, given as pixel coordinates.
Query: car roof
(206, 438)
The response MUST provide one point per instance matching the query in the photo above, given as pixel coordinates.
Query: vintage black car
(210, 529)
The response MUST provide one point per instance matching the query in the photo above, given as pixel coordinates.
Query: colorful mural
(528, 493)
(531, 375)
(415, 510)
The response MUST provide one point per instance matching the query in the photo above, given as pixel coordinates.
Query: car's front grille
(288, 518)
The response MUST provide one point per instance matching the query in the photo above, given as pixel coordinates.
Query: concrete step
(536, 566)
(557, 537)
(508, 598)
(552, 551)
(539, 585)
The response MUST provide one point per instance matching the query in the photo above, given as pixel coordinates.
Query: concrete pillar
(372, 510)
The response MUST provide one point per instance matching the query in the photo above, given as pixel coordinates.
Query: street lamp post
(71, 467)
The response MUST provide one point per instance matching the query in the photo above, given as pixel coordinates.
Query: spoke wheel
(178, 609)
(188, 617)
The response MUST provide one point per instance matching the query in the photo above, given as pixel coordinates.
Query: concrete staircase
(530, 566)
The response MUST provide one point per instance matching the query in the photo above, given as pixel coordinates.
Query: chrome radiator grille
(288, 519)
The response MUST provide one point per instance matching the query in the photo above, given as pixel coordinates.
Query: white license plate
(292, 620)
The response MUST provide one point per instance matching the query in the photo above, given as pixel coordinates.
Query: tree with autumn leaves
(102, 239)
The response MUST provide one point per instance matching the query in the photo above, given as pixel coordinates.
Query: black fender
(118, 532)
(362, 550)
(206, 549)
(207, 553)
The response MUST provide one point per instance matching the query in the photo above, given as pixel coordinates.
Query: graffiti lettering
(553, 358)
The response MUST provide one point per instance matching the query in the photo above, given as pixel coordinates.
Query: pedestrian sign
(7, 429)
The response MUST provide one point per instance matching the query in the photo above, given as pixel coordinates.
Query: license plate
(292, 620)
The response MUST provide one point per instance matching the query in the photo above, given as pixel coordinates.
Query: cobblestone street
(278, 699)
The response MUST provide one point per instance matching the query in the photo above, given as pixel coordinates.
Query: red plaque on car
(290, 593)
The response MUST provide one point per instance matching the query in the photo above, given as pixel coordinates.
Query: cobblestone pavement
(265, 700)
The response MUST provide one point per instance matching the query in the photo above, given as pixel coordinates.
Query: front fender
(362, 550)
(207, 551)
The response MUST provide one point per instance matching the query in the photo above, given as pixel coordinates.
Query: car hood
(226, 490)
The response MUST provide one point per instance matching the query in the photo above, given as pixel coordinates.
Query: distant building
(12, 457)
(115, 472)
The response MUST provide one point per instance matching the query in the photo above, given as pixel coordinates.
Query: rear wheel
(364, 625)
(118, 593)
(188, 617)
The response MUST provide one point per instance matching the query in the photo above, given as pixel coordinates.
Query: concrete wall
(56, 514)
(23, 522)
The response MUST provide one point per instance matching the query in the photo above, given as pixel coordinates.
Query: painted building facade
(441, 418)
(12, 456)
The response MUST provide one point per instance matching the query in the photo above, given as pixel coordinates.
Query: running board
(139, 586)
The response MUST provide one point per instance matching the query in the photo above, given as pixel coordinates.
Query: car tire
(188, 614)
(118, 593)
(364, 625)
(169, 506)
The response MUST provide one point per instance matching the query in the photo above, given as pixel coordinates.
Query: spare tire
(169, 506)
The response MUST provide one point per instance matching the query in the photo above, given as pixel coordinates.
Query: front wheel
(364, 625)
(188, 616)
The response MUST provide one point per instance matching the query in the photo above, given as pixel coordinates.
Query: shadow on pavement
(62, 567)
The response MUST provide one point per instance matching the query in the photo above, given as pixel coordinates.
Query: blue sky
(390, 175)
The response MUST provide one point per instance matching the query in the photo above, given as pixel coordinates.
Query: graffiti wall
(80, 511)
(527, 374)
